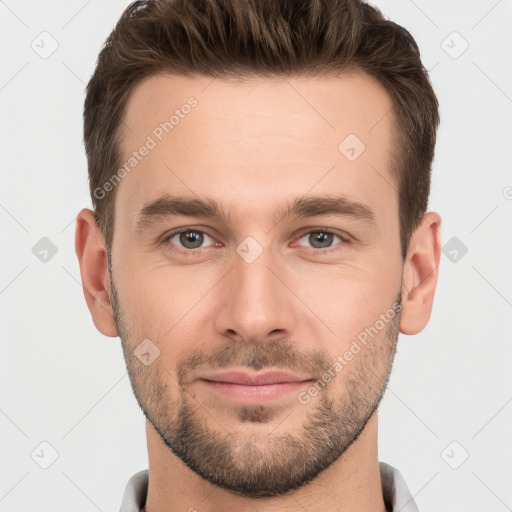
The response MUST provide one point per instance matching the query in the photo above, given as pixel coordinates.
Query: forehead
(250, 142)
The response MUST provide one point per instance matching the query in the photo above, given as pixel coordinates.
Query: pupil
(193, 237)
(322, 238)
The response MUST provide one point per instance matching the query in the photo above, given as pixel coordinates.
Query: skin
(254, 146)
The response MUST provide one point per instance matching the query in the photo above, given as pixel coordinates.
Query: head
(260, 176)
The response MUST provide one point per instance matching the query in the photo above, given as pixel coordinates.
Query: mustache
(277, 353)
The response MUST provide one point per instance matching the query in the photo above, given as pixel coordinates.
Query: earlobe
(420, 274)
(92, 258)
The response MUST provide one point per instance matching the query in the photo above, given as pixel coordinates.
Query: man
(260, 173)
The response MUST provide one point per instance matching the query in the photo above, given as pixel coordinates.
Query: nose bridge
(254, 278)
(256, 302)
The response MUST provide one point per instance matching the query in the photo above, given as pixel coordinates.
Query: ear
(420, 274)
(90, 249)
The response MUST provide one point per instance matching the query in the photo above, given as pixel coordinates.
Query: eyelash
(193, 252)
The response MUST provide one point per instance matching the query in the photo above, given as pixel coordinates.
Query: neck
(350, 484)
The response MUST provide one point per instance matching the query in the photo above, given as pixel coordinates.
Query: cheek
(162, 308)
(349, 297)
(174, 306)
(157, 294)
(361, 314)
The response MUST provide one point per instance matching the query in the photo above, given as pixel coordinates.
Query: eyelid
(342, 234)
(178, 231)
(345, 238)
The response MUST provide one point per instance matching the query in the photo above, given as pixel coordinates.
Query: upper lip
(253, 379)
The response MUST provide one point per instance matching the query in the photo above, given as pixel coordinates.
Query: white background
(62, 382)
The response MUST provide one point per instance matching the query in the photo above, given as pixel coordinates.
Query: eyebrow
(303, 207)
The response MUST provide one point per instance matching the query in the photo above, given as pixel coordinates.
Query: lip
(254, 379)
(246, 387)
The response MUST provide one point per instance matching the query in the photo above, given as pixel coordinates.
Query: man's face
(257, 290)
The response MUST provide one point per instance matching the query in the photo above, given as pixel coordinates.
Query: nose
(257, 301)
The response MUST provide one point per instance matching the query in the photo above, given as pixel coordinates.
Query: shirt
(397, 497)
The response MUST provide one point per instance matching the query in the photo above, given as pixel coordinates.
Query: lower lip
(253, 394)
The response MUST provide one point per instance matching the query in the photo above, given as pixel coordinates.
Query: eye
(322, 239)
(188, 239)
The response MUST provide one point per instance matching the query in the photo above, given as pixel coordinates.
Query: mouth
(247, 387)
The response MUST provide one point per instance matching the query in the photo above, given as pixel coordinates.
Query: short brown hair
(267, 38)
